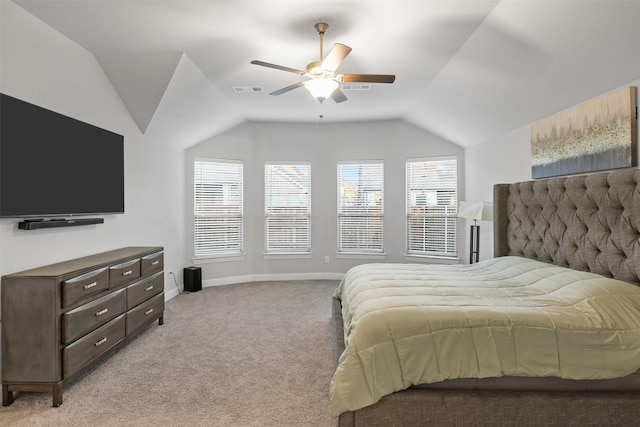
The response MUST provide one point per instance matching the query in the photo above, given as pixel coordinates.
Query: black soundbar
(33, 224)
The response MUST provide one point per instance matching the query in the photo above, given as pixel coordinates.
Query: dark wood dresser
(60, 320)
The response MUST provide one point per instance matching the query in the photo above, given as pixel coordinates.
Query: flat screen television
(52, 165)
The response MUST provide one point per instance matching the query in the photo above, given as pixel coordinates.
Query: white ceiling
(465, 70)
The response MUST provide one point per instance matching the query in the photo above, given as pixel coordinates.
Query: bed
(567, 250)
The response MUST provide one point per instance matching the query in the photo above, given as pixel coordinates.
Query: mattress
(408, 324)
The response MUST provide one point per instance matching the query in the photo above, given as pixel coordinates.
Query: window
(217, 208)
(287, 208)
(432, 201)
(360, 207)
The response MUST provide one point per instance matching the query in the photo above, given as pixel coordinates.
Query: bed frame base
(416, 407)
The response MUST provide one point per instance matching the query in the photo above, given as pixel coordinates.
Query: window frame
(448, 249)
(290, 220)
(220, 246)
(361, 212)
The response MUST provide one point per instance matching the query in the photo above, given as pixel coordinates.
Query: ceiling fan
(322, 78)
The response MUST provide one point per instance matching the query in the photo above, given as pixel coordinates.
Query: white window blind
(287, 208)
(217, 208)
(432, 201)
(360, 207)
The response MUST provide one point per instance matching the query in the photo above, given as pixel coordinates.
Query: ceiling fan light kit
(322, 80)
(321, 88)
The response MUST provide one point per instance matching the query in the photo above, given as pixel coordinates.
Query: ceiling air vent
(355, 87)
(242, 89)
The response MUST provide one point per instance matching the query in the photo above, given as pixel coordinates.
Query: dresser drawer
(145, 313)
(77, 355)
(152, 263)
(86, 318)
(125, 272)
(85, 286)
(144, 289)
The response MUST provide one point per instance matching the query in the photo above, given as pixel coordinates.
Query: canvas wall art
(598, 135)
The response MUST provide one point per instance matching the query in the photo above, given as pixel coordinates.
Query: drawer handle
(102, 341)
(90, 285)
(101, 312)
(128, 272)
(155, 263)
(148, 311)
(148, 288)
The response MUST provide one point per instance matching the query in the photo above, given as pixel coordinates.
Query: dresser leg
(57, 395)
(161, 320)
(7, 396)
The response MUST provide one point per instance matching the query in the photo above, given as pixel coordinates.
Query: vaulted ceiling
(465, 70)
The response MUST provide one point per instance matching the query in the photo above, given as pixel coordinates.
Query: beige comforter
(407, 324)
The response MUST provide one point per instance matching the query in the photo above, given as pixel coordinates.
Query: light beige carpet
(256, 354)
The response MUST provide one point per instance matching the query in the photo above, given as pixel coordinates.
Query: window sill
(287, 255)
(219, 258)
(432, 259)
(360, 255)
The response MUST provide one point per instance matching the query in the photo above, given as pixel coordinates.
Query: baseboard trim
(250, 278)
(270, 278)
(173, 292)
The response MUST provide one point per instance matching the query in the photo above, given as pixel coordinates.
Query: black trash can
(192, 279)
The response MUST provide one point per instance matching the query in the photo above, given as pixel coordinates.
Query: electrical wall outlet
(326, 259)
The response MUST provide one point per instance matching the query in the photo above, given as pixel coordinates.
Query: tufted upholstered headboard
(587, 222)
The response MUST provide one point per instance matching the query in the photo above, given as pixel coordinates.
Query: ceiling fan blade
(338, 96)
(278, 67)
(287, 89)
(366, 78)
(335, 57)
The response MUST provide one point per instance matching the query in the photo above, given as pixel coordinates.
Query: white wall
(502, 160)
(323, 145)
(41, 66)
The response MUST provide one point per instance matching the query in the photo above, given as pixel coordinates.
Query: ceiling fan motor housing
(322, 27)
